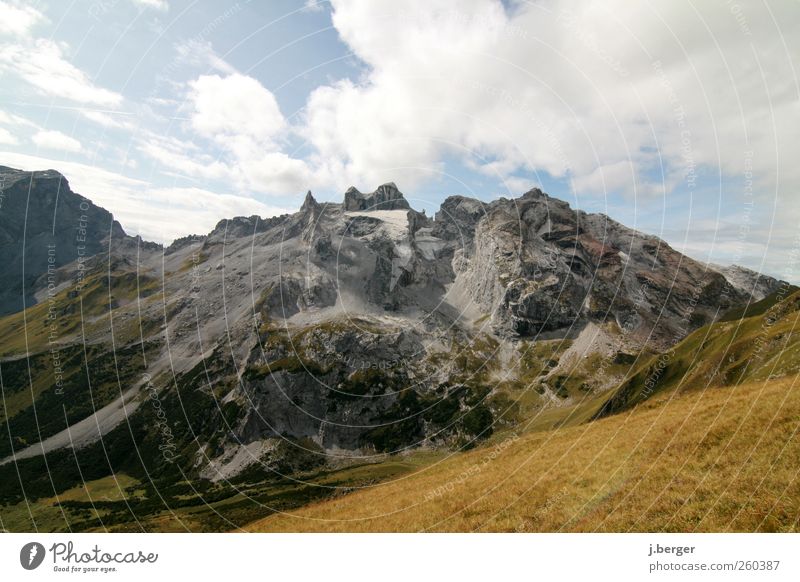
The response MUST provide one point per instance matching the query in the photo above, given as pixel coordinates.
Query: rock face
(367, 327)
(44, 224)
(386, 197)
(539, 266)
(747, 281)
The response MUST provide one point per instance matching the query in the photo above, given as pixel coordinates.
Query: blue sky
(678, 120)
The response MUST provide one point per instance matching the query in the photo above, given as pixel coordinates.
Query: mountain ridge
(337, 346)
(366, 327)
(385, 197)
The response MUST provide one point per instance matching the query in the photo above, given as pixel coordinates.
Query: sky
(677, 118)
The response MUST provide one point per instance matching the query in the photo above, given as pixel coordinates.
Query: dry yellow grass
(720, 459)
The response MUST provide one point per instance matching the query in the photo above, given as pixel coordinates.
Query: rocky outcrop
(333, 383)
(385, 197)
(747, 281)
(539, 266)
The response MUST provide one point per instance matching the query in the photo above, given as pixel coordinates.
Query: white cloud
(18, 19)
(106, 120)
(55, 140)
(183, 158)
(513, 186)
(43, 65)
(236, 105)
(572, 88)
(6, 137)
(17, 122)
(161, 5)
(11, 119)
(315, 5)
(243, 165)
(276, 172)
(241, 119)
(410, 110)
(616, 176)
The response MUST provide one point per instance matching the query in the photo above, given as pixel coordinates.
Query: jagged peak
(385, 197)
(391, 186)
(535, 193)
(309, 203)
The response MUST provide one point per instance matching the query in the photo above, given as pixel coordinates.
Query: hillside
(754, 343)
(716, 460)
(710, 446)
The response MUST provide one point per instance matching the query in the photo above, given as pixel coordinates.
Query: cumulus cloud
(608, 94)
(276, 172)
(241, 118)
(43, 65)
(55, 140)
(18, 19)
(161, 5)
(232, 106)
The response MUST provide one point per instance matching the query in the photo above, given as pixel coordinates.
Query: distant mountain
(44, 225)
(747, 281)
(341, 331)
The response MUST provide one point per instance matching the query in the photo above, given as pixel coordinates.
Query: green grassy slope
(732, 351)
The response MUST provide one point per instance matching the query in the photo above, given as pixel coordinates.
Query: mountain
(339, 335)
(44, 226)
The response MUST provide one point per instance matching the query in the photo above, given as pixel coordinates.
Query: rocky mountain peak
(385, 197)
(535, 193)
(310, 204)
(309, 199)
(241, 226)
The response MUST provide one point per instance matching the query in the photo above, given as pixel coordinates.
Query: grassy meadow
(717, 459)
